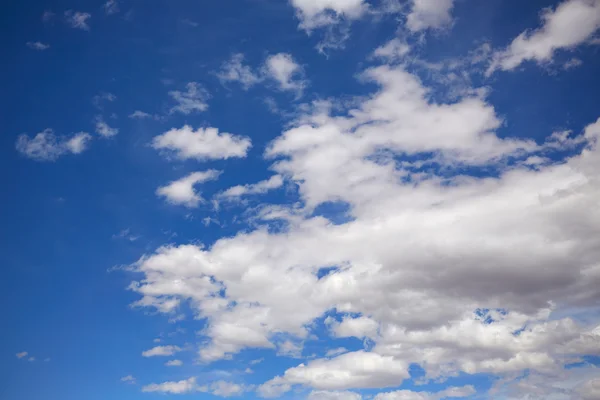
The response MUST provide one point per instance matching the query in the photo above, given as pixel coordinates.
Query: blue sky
(303, 199)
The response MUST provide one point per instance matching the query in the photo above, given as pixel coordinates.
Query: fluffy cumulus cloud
(453, 271)
(202, 143)
(348, 371)
(46, 146)
(571, 23)
(174, 363)
(450, 393)
(333, 395)
(179, 387)
(183, 192)
(285, 72)
(425, 14)
(318, 13)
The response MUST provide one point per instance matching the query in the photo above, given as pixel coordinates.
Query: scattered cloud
(181, 387)
(570, 24)
(174, 363)
(161, 351)
(288, 75)
(126, 234)
(38, 46)
(31, 359)
(128, 379)
(46, 146)
(182, 191)
(47, 16)
(317, 13)
(101, 98)
(261, 187)
(77, 19)
(393, 50)
(334, 395)
(111, 7)
(451, 392)
(105, 130)
(137, 114)
(234, 70)
(194, 99)
(202, 144)
(426, 14)
(22, 354)
(572, 63)
(226, 389)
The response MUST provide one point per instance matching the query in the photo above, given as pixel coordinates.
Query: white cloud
(336, 352)
(22, 354)
(347, 371)
(174, 363)
(424, 245)
(182, 192)
(194, 99)
(591, 390)
(451, 392)
(235, 71)
(111, 7)
(38, 45)
(128, 379)
(105, 130)
(318, 13)
(31, 359)
(202, 144)
(333, 395)
(393, 50)
(161, 351)
(77, 19)
(226, 389)
(181, 387)
(78, 143)
(360, 327)
(46, 146)
(137, 114)
(288, 75)
(427, 14)
(572, 23)
(235, 192)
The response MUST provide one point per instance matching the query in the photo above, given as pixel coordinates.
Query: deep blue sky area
(73, 225)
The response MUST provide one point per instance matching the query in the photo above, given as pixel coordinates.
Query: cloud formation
(570, 24)
(202, 143)
(46, 146)
(183, 192)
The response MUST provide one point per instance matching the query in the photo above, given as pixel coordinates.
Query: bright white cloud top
(392, 220)
(202, 143)
(183, 192)
(571, 24)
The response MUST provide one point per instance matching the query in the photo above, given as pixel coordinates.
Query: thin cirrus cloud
(46, 146)
(38, 46)
(183, 191)
(570, 24)
(202, 144)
